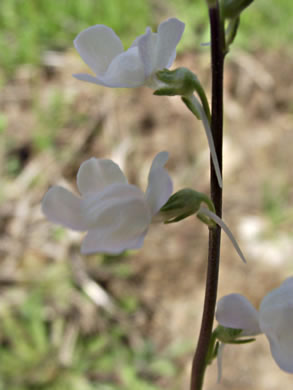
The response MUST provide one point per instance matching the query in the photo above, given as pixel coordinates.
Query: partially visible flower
(102, 50)
(115, 214)
(274, 319)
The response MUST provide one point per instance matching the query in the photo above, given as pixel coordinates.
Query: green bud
(180, 82)
(183, 82)
(182, 204)
(232, 8)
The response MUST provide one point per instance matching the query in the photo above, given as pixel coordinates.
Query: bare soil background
(130, 127)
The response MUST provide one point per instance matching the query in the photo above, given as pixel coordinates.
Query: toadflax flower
(102, 50)
(274, 319)
(115, 214)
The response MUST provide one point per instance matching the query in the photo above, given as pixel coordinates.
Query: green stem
(217, 53)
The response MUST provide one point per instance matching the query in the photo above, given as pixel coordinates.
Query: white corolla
(115, 214)
(102, 50)
(274, 319)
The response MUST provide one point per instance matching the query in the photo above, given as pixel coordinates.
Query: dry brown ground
(131, 127)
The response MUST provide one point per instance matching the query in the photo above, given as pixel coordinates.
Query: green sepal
(165, 91)
(227, 335)
(230, 335)
(244, 341)
(180, 81)
(184, 203)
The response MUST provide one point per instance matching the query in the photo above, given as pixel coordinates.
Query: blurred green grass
(29, 27)
(265, 24)
(45, 343)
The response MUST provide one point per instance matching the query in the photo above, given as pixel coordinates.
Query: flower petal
(98, 46)
(89, 79)
(94, 242)
(282, 294)
(235, 311)
(147, 44)
(63, 207)
(125, 71)
(160, 185)
(276, 321)
(278, 325)
(169, 35)
(119, 218)
(105, 208)
(96, 174)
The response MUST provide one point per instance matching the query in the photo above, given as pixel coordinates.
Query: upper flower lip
(274, 319)
(102, 50)
(116, 214)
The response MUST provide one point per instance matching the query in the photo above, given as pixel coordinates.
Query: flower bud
(182, 204)
(232, 8)
(180, 82)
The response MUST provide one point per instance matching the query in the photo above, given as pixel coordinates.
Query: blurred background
(131, 322)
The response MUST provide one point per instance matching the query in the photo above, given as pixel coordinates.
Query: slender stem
(217, 54)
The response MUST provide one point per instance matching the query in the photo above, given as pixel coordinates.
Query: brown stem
(217, 54)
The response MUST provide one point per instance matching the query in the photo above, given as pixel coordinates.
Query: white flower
(115, 214)
(274, 319)
(102, 50)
